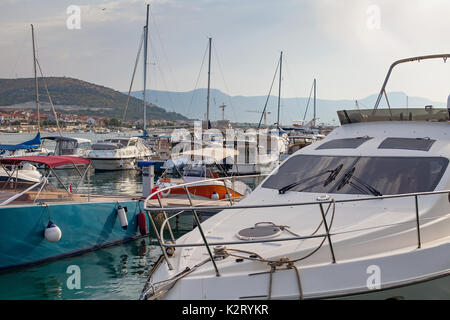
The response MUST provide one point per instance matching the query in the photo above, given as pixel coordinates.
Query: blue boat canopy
(35, 141)
(27, 145)
(10, 147)
(146, 163)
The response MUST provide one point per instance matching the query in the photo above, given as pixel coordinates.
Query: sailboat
(26, 172)
(60, 222)
(262, 150)
(124, 153)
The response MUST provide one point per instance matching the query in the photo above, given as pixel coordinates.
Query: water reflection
(111, 273)
(123, 182)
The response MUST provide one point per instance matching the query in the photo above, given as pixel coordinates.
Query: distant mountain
(192, 104)
(80, 97)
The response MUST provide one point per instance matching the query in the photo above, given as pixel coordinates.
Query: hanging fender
(121, 212)
(215, 196)
(52, 233)
(142, 223)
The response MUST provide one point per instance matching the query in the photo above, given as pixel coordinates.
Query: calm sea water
(113, 273)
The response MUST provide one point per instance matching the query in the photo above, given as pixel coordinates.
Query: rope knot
(220, 252)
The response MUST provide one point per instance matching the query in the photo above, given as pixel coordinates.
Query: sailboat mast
(314, 118)
(279, 90)
(35, 80)
(209, 84)
(145, 70)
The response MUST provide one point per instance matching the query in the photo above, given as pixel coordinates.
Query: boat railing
(168, 247)
(41, 182)
(159, 235)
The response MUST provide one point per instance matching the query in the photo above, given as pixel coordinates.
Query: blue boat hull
(85, 227)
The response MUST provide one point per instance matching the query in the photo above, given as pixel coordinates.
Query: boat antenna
(209, 83)
(279, 90)
(145, 70)
(35, 80)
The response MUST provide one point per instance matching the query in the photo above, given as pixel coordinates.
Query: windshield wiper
(349, 176)
(331, 177)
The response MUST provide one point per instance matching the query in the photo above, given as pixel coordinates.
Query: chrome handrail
(272, 205)
(160, 236)
(187, 184)
(320, 203)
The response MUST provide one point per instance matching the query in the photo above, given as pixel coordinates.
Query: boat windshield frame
(388, 174)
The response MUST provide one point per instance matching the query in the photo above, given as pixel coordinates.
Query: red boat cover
(50, 161)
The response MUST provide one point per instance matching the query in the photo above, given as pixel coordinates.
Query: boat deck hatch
(347, 143)
(259, 232)
(419, 144)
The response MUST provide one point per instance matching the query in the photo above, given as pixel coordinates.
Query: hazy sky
(347, 45)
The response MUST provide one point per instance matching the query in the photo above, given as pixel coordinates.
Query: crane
(265, 115)
(223, 111)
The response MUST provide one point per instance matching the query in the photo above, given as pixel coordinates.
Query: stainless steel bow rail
(160, 236)
(169, 247)
(443, 56)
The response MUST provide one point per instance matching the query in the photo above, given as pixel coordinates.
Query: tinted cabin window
(388, 175)
(348, 143)
(407, 144)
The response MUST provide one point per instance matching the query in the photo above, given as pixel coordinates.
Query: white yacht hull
(114, 164)
(432, 289)
(253, 168)
(411, 274)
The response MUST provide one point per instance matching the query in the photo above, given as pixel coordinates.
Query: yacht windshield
(385, 175)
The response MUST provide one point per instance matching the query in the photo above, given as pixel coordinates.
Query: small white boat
(118, 153)
(26, 173)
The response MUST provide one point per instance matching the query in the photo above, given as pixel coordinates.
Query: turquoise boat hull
(85, 227)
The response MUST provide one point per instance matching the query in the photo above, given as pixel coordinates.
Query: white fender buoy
(122, 217)
(165, 194)
(215, 196)
(52, 233)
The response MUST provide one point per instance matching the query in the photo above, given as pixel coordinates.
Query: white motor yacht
(364, 213)
(259, 153)
(119, 153)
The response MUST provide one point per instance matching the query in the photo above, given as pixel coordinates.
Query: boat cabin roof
(427, 114)
(59, 138)
(391, 138)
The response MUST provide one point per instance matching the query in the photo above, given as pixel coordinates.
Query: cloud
(324, 39)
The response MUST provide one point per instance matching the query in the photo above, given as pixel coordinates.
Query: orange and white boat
(209, 167)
